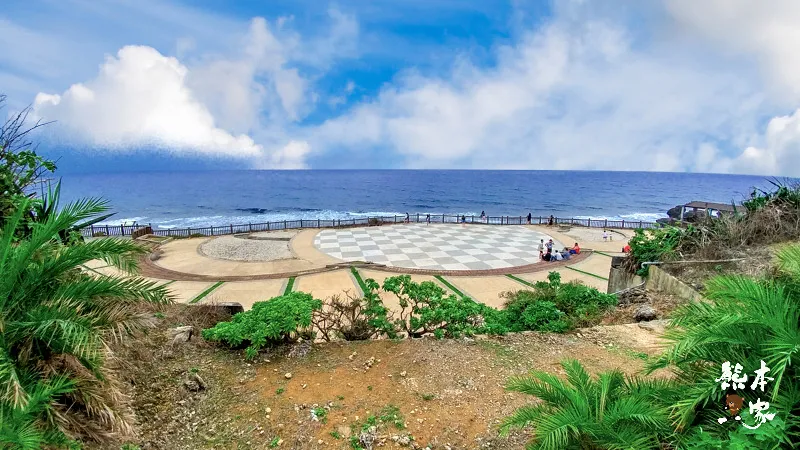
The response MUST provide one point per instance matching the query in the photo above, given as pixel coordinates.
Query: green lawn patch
(586, 273)
(450, 286)
(205, 293)
(359, 280)
(525, 282)
(289, 286)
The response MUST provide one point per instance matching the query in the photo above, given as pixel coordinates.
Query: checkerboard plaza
(435, 247)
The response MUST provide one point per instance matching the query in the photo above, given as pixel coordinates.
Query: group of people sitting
(547, 253)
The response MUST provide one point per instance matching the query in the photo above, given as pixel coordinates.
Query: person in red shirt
(576, 250)
(626, 249)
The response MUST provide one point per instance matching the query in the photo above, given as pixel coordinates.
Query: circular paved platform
(435, 247)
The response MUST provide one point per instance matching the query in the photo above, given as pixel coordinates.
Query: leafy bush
(653, 244)
(280, 319)
(424, 308)
(555, 306)
(611, 411)
(355, 319)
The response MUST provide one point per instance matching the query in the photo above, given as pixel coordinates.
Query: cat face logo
(733, 403)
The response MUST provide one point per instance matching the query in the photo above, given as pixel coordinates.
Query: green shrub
(653, 244)
(280, 319)
(424, 308)
(555, 306)
(355, 318)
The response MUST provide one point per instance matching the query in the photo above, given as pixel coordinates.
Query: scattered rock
(403, 373)
(288, 375)
(181, 334)
(194, 383)
(654, 325)
(632, 296)
(352, 355)
(644, 313)
(300, 349)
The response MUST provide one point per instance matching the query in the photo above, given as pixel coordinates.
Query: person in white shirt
(541, 248)
(557, 256)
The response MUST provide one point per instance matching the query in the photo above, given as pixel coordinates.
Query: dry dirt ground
(435, 393)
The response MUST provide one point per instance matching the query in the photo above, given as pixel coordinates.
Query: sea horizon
(180, 199)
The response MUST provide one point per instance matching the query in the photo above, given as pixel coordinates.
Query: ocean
(200, 198)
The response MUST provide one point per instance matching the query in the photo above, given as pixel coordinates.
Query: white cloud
(780, 153)
(209, 105)
(140, 98)
(573, 94)
(765, 36)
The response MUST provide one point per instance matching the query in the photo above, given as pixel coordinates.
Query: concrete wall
(619, 279)
(659, 280)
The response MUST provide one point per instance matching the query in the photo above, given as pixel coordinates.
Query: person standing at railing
(551, 221)
(428, 219)
(529, 218)
(408, 218)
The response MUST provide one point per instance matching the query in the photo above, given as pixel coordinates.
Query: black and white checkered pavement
(435, 247)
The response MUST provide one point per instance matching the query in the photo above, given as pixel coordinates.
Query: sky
(656, 85)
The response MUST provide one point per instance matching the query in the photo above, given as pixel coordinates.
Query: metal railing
(126, 230)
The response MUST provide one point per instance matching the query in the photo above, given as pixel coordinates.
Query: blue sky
(667, 85)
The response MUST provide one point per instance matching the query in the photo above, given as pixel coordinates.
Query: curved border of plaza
(148, 268)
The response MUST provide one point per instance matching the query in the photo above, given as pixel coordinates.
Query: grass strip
(289, 286)
(586, 273)
(518, 279)
(601, 253)
(359, 280)
(205, 293)
(450, 286)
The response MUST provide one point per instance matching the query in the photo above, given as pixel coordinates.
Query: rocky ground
(412, 393)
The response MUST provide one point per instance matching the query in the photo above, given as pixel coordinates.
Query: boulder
(181, 334)
(675, 212)
(644, 313)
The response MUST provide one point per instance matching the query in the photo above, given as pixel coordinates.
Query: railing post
(106, 230)
(318, 223)
(605, 224)
(284, 224)
(640, 224)
(92, 230)
(623, 223)
(442, 218)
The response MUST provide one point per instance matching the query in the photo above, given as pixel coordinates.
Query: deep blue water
(180, 199)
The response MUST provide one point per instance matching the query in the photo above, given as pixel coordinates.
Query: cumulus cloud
(206, 104)
(140, 98)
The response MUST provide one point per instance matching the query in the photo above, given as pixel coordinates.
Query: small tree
(20, 166)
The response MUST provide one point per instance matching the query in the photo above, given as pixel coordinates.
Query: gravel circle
(236, 249)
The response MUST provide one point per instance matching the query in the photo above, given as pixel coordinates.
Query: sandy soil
(446, 394)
